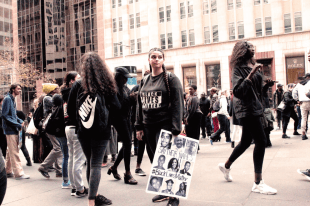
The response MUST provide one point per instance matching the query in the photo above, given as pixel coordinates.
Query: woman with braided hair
(248, 95)
(160, 106)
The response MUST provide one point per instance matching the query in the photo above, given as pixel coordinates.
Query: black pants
(205, 123)
(252, 129)
(141, 148)
(224, 127)
(286, 120)
(3, 143)
(23, 147)
(267, 134)
(94, 147)
(193, 126)
(3, 184)
(279, 118)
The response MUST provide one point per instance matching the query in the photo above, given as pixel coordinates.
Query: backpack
(217, 105)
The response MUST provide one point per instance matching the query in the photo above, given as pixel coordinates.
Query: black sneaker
(304, 137)
(101, 200)
(296, 133)
(82, 194)
(45, 174)
(284, 136)
(10, 175)
(73, 191)
(173, 202)
(140, 172)
(160, 198)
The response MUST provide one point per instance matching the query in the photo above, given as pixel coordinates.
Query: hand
(228, 118)
(209, 115)
(134, 95)
(23, 124)
(140, 134)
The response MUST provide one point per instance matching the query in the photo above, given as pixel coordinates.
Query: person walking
(204, 104)
(277, 98)
(164, 113)
(247, 89)
(11, 127)
(213, 98)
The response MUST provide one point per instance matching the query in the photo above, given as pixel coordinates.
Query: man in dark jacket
(204, 104)
(277, 98)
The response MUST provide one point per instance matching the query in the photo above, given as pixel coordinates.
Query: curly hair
(241, 54)
(67, 79)
(96, 76)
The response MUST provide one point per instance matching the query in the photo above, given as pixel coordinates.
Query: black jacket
(204, 105)
(65, 96)
(289, 102)
(277, 98)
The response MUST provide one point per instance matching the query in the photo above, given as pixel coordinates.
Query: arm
(139, 115)
(224, 107)
(241, 86)
(177, 104)
(71, 106)
(7, 116)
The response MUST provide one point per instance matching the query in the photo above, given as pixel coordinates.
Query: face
(178, 142)
(182, 186)
(212, 92)
(156, 60)
(191, 91)
(174, 164)
(187, 166)
(76, 78)
(280, 88)
(165, 138)
(57, 90)
(251, 49)
(192, 146)
(161, 161)
(17, 91)
(169, 186)
(203, 95)
(155, 184)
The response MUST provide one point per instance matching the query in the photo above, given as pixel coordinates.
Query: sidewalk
(208, 186)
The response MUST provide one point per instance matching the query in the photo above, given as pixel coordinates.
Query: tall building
(198, 36)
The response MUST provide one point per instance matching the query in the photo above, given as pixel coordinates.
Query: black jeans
(279, 118)
(286, 120)
(224, 127)
(141, 149)
(94, 147)
(193, 126)
(23, 147)
(205, 123)
(3, 143)
(252, 129)
(3, 184)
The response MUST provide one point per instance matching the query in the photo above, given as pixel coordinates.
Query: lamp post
(123, 45)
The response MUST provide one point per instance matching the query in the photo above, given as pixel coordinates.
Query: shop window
(295, 69)
(189, 78)
(213, 73)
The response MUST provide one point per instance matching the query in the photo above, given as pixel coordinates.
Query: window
(182, 11)
(256, 2)
(130, 1)
(115, 49)
(287, 23)
(170, 43)
(121, 49)
(207, 35)
(114, 25)
(139, 46)
(215, 33)
(132, 46)
(120, 24)
(266, 1)
(231, 27)
(162, 41)
(298, 21)
(113, 4)
(213, 76)
(168, 12)
(184, 38)
(240, 30)
(205, 7)
(258, 27)
(213, 6)
(239, 3)
(268, 26)
(191, 37)
(132, 21)
(230, 4)
(190, 8)
(161, 15)
(137, 20)
(119, 3)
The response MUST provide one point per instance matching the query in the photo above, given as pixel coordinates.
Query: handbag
(31, 128)
(213, 115)
(281, 106)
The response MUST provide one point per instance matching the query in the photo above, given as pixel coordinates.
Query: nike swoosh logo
(87, 112)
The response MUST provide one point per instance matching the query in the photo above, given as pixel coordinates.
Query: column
(277, 17)
(248, 19)
(175, 18)
(222, 20)
(198, 28)
(153, 23)
(305, 8)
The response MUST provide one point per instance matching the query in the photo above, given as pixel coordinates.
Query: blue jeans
(299, 116)
(64, 150)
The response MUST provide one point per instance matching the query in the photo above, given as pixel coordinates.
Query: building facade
(198, 37)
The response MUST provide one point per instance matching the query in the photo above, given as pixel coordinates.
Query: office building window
(205, 6)
(191, 37)
(138, 20)
(113, 4)
(215, 31)
(231, 27)
(139, 46)
(207, 35)
(115, 45)
(287, 23)
(266, 1)
(258, 27)
(132, 46)
(256, 2)
(168, 12)
(190, 8)
(238, 4)
(170, 43)
(132, 21)
(213, 6)
(130, 1)
(230, 4)
(161, 15)
(114, 25)
(182, 11)
(119, 2)
(121, 49)
(298, 21)
(120, 24)
(162, 41)
(184, 38)
(268, 26)
(240, 30)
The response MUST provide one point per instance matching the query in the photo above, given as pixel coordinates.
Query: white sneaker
(263, 188)
(24, 176)
(225, 172)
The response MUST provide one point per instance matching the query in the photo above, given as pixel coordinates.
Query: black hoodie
(65, 96)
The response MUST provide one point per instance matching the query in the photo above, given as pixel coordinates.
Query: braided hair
(164, 68)
(241, 54)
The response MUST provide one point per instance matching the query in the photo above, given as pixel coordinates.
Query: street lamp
(123, 45)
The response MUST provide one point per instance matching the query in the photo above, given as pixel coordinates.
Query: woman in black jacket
(289, 111)
(248, 91)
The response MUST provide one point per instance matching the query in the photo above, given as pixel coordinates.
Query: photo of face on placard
(155, 184)
(168, 186)
(186, 168)
(191, 148)
(178, 144)
(181, 189)
(165, 140)
(160, 162)
(173, 165)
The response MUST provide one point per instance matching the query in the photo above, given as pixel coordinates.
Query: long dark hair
(96, 76)
(164, 68)
(241, 54)
(170, 163)
(67, 80)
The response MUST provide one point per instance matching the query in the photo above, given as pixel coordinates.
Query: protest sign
(173, 165)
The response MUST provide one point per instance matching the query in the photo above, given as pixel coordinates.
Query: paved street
(208, 185)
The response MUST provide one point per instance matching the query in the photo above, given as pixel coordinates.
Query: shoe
(51, 169)
(229, 141)
(132, 154)
(82, 194)
(140, 172)
(45, 174)
(10, 175)
(304, 173)
(173, 202)
(73, 191)
(66, 185)
(296, 133)
(114, 172)
(128, 179)
(24, 176)
(211, 141)
(105, 164)
(263, 188)
(278, 128)
(159, 198)
(28, 161)
(59, 174)
(101, 200)
(113, 159)
(225, 172)
(284, 136)
(232, 144)
(304, 137)
(269, 145)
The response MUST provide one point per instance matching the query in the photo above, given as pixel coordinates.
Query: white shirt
(223, 105)
(299, 92)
